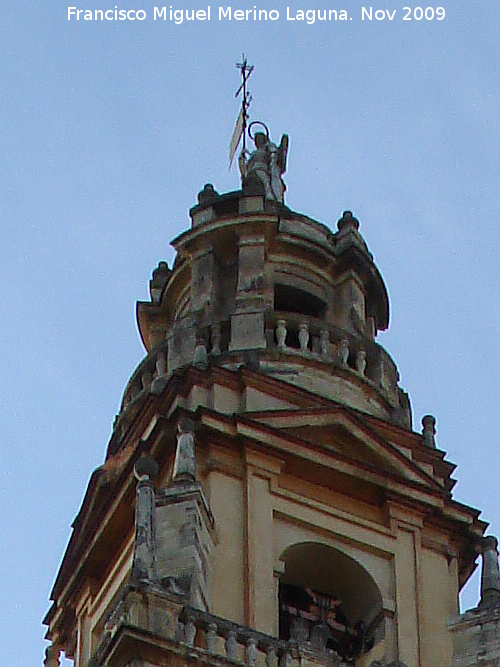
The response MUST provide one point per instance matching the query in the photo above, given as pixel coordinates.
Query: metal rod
(246, 71)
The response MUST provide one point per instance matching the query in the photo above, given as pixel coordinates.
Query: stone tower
(264, 499)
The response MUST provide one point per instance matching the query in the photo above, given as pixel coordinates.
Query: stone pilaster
(407, 572)
(251, 260)
(144, 562)
(202, 284)
(350, 303)
(181, 344)
(247, 324)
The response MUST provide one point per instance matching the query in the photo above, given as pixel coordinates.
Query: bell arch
(329, 599)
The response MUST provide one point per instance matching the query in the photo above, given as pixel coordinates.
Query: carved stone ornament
(184, 464)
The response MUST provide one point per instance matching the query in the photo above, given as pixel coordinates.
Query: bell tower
(264, 498)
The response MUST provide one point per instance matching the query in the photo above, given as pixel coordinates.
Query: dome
(256, 284)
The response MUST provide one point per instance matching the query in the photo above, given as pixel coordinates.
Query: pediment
(349, 442)
(332, 437)
(339, 440)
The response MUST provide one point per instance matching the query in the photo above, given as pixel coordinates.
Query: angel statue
(267, 162)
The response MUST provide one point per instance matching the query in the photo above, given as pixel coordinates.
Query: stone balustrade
(213, 340)
(153, 367)
(293, 333)
(201, 637)
(242, 645)
(285, 332)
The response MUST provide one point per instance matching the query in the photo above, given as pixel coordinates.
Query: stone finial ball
(185, 425)
(145, 467)
(347, 221)
(429, 422)
(208, 194)
(489, 542)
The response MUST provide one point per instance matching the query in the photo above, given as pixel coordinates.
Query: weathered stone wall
(476, 638)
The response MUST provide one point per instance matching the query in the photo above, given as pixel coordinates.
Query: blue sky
(109, 130)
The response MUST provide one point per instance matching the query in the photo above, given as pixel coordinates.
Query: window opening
(294, 300)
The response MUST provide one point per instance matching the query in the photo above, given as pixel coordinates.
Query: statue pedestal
(247, 332)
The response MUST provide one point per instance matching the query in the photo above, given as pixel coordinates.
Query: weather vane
(267, 163)
(241, 122)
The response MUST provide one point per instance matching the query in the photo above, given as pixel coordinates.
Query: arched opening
(328, 599)
(290, 299)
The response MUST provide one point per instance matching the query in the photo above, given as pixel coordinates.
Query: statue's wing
(283, 150)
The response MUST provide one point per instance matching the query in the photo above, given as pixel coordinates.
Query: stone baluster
(251, 652)
(281, 332)
(344, 351)
(144, 559)
(304, 336)
(324, 340)
(216, 339)
(211, 637)
(231, 645)
(429, 430)
(285, 659)
(319, 636)
(271, 656)
(161, 364)
(146, 379)
(180, 635)
(269, 336)
(190, 632)
(200, 355)
(52, 656)
(490, 574)
(361, 362)
(334, 657)
(135, 390)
